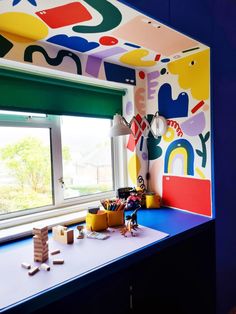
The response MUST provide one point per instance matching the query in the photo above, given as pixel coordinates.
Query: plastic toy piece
(58, 261)
(62, 235)
(45, 267)
(97, 235)
(55, 252)
(81, 232)
(33, 271)
(40, 239)
(26, 265)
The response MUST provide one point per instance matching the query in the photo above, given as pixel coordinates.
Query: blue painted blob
(165, 60)
(170, 108)
(74, 42)
(118, 73)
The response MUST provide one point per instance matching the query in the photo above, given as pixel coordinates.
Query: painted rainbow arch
(180, 149)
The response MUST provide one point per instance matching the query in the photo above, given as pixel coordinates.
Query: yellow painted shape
(134, 58)
(169, 135)
(134, 167)
(178, 151)
(22, 27)
(194, 73)
(200, 173)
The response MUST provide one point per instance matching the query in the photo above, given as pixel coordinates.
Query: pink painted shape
(94, 60)
(194, 125)
(163, 40)
(140, 101)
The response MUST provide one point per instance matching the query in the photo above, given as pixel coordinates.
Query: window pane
(25, 168)
(87, 162)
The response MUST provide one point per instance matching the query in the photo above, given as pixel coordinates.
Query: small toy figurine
(81, 232)
(132, 224)
(133, 201)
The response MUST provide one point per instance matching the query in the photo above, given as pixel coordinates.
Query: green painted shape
(28, 92)
(154, 150)
(111, 17)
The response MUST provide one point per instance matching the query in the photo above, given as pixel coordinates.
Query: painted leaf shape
(199, 152)
(206, 137)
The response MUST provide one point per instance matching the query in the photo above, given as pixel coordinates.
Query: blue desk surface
(176, 223)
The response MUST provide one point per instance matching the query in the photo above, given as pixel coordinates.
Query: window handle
(62, 182)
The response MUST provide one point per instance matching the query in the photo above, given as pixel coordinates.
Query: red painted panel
(187, 193)
(64, 15)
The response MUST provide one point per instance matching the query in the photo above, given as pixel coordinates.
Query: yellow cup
(153, 201)
(96, 222)
(115, 218)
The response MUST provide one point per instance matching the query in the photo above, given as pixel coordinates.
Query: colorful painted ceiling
(101, 29)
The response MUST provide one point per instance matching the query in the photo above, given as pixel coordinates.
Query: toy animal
(131, 225)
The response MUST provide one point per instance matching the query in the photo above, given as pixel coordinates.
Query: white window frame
(61, 206)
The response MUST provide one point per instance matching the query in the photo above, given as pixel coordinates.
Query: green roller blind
(23, 91)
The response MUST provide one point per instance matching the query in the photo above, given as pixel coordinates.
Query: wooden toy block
(55, 252)
(26, 265)
(58, 261)
(45, 267)
(62, 235)
(40, 239)
(33, 271)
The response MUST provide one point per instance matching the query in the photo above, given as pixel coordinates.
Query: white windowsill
(23, 230)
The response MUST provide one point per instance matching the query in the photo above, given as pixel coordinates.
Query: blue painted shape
(165, 60)
(73, 42)
(118, 73)
(132, 45)
(170, 108)
(190, 155)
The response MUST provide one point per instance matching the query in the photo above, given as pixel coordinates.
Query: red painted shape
(132, 142)
(187, 193)
(64, 15)
(198, 106)
(157, 58)
(141, 75)
(108, 41)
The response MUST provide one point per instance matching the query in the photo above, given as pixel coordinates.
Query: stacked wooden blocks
(40, 239)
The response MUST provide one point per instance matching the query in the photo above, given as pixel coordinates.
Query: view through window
(28, 160)
(87, 162)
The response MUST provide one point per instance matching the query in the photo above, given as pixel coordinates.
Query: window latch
(62, 182)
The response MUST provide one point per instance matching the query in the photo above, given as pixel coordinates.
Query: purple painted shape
(129, 108)
(194, 125)
(152, 84)
(145, 156)
(94, 61)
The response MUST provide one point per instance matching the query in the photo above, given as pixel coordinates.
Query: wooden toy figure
(40, 239)
(131, 224)
(81, 232)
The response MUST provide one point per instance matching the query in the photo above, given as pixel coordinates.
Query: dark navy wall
(213, 22)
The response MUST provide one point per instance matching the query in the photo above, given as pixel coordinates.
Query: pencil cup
(97, 222)
(115, 218)
(153, 201)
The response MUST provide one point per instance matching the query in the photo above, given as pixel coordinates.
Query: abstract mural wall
(169, 73)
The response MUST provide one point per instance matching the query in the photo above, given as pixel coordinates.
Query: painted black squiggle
(28, 56)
